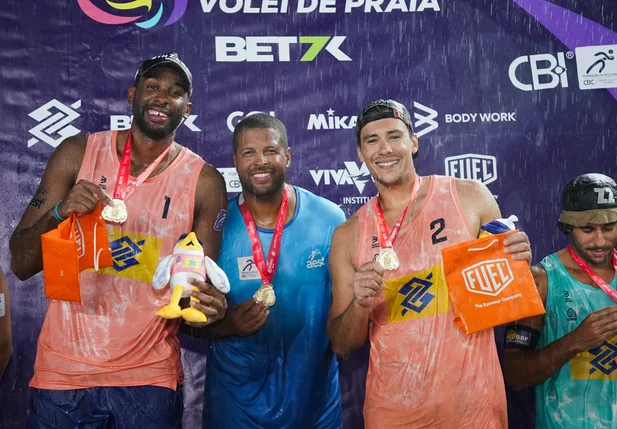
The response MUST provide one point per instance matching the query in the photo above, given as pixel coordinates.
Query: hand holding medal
(387, 257)
(116, 211)
(265, 293)
(82, 200)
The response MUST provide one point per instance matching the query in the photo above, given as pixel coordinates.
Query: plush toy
(187, 261)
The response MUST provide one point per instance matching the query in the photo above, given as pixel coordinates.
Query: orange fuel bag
(486, 287)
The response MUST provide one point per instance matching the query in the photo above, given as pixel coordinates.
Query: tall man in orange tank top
(109, 361)
(388, 286)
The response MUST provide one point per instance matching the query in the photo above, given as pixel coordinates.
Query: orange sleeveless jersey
(113, 337)
(423, 371)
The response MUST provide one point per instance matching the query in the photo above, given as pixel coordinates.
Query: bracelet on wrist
(56, 214)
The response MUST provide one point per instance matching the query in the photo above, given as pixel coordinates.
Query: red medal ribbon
(387, 240)
(124, 189)
(266, 270)
(612, 293)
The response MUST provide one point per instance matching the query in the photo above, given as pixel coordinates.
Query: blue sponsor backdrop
(518, 94)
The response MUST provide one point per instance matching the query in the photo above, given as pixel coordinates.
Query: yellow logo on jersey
(417, 295)
(135, 256)
(596, 364)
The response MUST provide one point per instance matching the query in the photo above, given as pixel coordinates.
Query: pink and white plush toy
(187, 261)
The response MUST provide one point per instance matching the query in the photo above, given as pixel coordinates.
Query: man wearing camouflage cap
(388, 286)
(569, 353)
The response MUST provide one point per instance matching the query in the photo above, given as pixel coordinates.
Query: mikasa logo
(424, 120)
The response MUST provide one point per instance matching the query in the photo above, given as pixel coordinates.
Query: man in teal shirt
(570, 353)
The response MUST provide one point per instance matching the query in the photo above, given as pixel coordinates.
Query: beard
(276, 184)
(585, 255)
(155, 133)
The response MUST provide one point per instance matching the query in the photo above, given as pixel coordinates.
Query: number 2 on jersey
(438, 225)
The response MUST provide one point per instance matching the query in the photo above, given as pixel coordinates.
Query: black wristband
(521, 337)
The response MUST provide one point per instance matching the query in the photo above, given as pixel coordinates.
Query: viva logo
(99, 15)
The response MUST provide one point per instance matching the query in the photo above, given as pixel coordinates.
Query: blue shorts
(138, 407)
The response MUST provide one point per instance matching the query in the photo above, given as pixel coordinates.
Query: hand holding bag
(486, 287)
(79, 243)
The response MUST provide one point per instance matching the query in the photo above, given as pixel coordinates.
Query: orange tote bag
(79, 243)
(486, 287)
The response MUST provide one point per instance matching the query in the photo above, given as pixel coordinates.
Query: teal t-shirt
(583, 393)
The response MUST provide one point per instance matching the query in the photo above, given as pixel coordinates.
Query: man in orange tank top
(109, 361)
(388, 287)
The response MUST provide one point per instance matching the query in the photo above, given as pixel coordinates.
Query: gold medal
(388, 259)
(115, 212)
(265, 294)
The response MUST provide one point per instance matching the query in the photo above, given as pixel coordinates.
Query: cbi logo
(232, 181)
(488, 277)
(541, 71)
(268, 49)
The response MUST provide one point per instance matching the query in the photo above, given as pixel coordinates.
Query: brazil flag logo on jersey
(596, 364)
(135, 256)
(416, 295)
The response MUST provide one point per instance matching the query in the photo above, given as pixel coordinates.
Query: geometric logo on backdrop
(424, 119)
(54, 120)
(99, 15)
